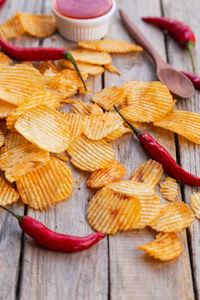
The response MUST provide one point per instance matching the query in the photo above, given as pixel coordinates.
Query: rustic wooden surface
(113, 269)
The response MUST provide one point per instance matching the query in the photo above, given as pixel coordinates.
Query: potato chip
(11, 28)
(85, 108)
(111, 46)
(14, 139)
(85, 67)
(109, 212)
(47, 185)
(48, 65)
(8, 195)
(90, 155)
(5, 59)
(68, 101)
(99, 126)
(185, 123)
(115, 134)
(169, 189)
(63, 157)
(173, 217)
(133, 91)
(2, 138)
(195, 204)
(154, 103)
(5, 109)
(107, 97)
(112, 69)
(82, 91)
(149, 173)
(38, 25)
(91, 57)
(76, 124)
(99, 178)
(19, 82)
(3, 127)
(44, 127)
(28, 63)
(165, 247)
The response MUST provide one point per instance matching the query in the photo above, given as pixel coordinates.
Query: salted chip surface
(148, 172)
(111, 68)
(47, 185)
(185, 123)
(14, 139)
(2, 138)
(90, 155)
(133, 91)
(79, 107)
(111, 46)
(11, 28)
(8, 195)
(45, 127)
(109, 212)
(85, 67)
(107, 97)
(195, 204)
(99, 126)
(115, 134)
(173, 217)
(91, 57)
(38, 25)
(99, 178)
(5, 109)
(5, 59)
(169, 189)
(165, 247)
(155, 103)
(76, 124)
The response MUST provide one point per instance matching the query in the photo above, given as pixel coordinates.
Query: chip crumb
(68, 101)
(53, 38)
(78, 187)
(79, 180)
(63, 157)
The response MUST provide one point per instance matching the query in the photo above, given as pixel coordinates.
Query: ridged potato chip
(5, 109)
(195, 204)
(165, 247)
(111, 46)
(79, 107)
(155, 103)
(99, 178)
(173, 217)
(2, 138)
(11, 28)
(5, 59)
(8, 195)
(112, 69)
(85, 67)
(90, 155)
(99, 126)
(76, 124)
(107, 97)
(109, 212)
(14, 139)
(45, 127)
(115, 134)
(133, 91)
(48, 65)
(91, 57)
(149, 173)
(185, 123)
(47, 185)
(169, 189)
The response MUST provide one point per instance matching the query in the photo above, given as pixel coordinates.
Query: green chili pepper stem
(69, 57)
(137, 132)
(19, 218)
(190, 46)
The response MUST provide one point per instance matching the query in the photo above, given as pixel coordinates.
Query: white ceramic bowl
(83, 29)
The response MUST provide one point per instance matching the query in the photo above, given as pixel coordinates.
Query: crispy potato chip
(99, 126)
(82, 91)
(91, 57)
(107, 97)
(38, 25)
(68, 101)
(169, 189)
(115, 134)
(133, 91)
(8, 195)
(76, 124)
(2, 138)
(3, 127)
(195, 204)
(11, 28)
(149, 173)
(111, 46)
(99, 178)
(86, 109)
(165, 247)
(112, 69)
(63, 157)
(44, 127)
(5, 109)
(109, 212)
(48, 65)
(185, 123)
(5, 59)
(14, 139)
(90, 155)
(19, 82)
(85, 67)
(47, 185)
(28, 63)
(173, 217)
(154, 103)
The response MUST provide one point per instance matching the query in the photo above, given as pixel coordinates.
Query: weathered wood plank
(189, 152)
(132, 274)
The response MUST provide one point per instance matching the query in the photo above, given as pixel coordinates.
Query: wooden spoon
(176, 81)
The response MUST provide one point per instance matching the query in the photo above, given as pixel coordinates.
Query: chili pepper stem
(19, 218)
(190, 45)
(137, 132)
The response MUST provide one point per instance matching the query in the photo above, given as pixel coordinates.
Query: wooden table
(113, 269)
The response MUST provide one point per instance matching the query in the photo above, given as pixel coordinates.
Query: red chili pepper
(2, 2)
(194, 78)
(39, 54)
(178, 30)
(55, 241)
(160, 154)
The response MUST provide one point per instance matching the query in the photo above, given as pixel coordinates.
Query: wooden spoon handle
(139, 36)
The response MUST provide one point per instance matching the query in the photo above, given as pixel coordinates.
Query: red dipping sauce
(82, 9)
